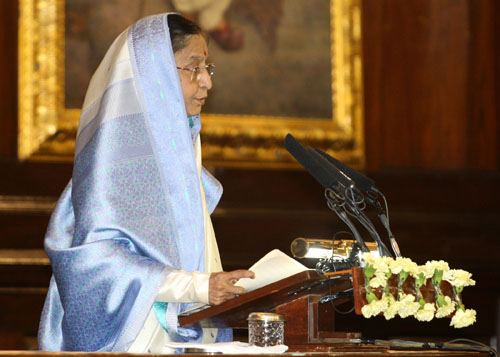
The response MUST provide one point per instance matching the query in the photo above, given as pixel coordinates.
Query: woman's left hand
(221, 285)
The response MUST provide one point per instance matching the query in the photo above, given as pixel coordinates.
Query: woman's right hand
(221, 285)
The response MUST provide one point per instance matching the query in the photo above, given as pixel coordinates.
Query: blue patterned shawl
(133, 209)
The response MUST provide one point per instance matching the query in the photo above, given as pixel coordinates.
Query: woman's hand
(221, 285)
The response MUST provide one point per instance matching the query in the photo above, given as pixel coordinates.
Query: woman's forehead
(195, 50)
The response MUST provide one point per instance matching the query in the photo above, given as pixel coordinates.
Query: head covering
(133, 209)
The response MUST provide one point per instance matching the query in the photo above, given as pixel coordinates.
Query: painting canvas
(296, 69)
(282, 68)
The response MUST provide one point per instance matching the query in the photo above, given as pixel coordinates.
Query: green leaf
(371, 297)
(437, 277)
(403, 275)
(440, 301)
(369, 271)
(422, 303)
(420, 280)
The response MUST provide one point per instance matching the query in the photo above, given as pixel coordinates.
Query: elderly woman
(130, 241)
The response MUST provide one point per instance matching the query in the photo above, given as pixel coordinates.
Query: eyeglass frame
(209, 67)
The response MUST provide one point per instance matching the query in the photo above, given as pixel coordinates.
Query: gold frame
(47, 129)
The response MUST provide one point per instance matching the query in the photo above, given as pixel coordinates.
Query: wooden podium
(296, 297)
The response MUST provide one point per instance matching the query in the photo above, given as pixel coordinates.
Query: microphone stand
(383, 217)
(333, 200)
(366, 185)
(354, 210)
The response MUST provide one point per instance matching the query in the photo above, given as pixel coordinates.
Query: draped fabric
(133, 209)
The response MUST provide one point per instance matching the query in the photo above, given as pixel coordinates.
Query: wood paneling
(483, 128)
(8, 82)
(429, 69)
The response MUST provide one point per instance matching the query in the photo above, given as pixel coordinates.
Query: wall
(430, 84)
(432, 143)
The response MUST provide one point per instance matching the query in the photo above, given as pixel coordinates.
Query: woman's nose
(205, 80)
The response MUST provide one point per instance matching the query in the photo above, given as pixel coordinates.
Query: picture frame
(47, 129)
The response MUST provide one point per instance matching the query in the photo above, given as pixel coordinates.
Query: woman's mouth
(201, 100)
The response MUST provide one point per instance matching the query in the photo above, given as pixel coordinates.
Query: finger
(241, 273)
(236, 290)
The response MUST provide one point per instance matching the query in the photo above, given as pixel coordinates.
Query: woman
(130, 240)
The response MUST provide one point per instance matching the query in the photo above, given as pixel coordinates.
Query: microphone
(350, 196)
(362, 182)
(366, 185)
(341, 191)
(329, 177)
(318, 167)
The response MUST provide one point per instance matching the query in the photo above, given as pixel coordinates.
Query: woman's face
(194, 91)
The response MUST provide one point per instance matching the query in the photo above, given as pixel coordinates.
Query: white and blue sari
(133, 211)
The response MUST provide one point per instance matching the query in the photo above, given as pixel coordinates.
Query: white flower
(408, 306)
(458, 277)
(378, 281)
(374, 308)
(426, 313)
(403, 264)
(426, 269)
(437, 265)
(463, 318)
(392, 309)
(447, 309)
(381, 265)
(369, 258)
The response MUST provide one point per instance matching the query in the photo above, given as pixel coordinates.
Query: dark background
(431, 74)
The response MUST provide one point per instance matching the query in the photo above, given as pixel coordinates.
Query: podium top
(234, 312)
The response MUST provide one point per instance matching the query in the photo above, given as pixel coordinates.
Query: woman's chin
(194, 111)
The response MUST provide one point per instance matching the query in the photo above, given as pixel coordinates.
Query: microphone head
(361, 181)
(308, 162)
(334, 173)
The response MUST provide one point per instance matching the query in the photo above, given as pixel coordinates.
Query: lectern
(297, 297)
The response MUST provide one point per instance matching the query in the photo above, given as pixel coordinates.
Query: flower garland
(379, 270)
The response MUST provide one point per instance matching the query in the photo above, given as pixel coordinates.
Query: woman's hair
(180, 30)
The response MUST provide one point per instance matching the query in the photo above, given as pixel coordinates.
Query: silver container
(266, 329)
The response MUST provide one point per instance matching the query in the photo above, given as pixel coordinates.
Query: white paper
(272, 267)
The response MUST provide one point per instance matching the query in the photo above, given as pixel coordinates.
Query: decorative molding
(31, 204)
(23, 257)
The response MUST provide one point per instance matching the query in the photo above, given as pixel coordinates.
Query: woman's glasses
(197, 72)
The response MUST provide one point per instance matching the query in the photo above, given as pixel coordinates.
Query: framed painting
(295, 69)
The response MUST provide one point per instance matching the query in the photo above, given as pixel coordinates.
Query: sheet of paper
(272, 267)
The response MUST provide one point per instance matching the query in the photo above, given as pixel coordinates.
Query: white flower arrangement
(378, 271)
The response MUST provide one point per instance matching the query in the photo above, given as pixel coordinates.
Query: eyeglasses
(197, 72)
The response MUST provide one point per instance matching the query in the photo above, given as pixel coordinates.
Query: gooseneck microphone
(346, 191)
(354, 201)
(333, 182)
(367, 186)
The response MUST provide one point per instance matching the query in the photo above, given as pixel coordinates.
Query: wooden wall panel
(8, 82)
(429, 70)
(483, 128)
